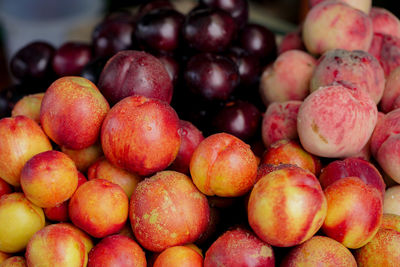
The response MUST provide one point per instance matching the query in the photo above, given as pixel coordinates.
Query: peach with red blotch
(391, 94)
(141, 135)
(354, 212)
(335, 24)
(60, 212)
(5, 188)
(320, 250)
(103, 169)
(290, 152)
(286, 207)
(20, 139)
(291, 41)
(336, 121)
(99, 207)
(72, 112)
(360, 168)
(190, 139)
(386, 48)
(223, 165)
(85, 157)
(116, 250)
(15, 261)
(385, 144)
(167, 210)
(384, 21)
(391, 201)
(288, 77)
(357, 67)
(56, 245)
(280, 121)
(179, 256)
(19, 220)
(239, 247)
(363, 5)
(382, 250)
(49, 178)
(28, 106)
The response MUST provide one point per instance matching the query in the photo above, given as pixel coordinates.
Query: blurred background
(58, 21)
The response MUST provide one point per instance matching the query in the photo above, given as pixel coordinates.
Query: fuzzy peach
(384, 21)
(386, 48)
(280, 121)
(335, 24)
(223, 165)
(290, 152)
(239, 247)
(49, 178)
(99, 207)
(354, 212)
(141, 135)
(391, 221)
(360, 168)
(28, 106)
(382, 250)
(391, 202)
(117, 250)
(85, 157)
(357, 67)
(286, 207)
(385, 144)
(363, 5)
(391, 94)
(103, 169)
(72, 112)
(19, 220)
(20, 139)
(179, 256)
(288, 77)
(336, 121)
(15, 261)
(291, 41)
(320, 251)
(167, 210)
(56, 245)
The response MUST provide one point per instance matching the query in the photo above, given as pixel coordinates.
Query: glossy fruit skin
(212, 76)
(209, 30)
(134, 72)
(172, 66)
(248, 65)
(159, 30)
(238, 9)
(33, 62)
(71, 58)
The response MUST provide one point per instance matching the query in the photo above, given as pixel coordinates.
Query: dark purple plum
(153, 5)
(259, 41)
(212, 76)
(209, 30)
(113, 35)
(133, 72)
(159, 30)
(172, 67)
(238, 9)
(71, 58)
(239, 118)
(92, 70)
(248, 65)
(33, 62)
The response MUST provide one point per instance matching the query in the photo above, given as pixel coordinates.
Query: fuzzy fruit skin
(99, 207)
(167, 210)
(386, 48)
(15, 261)
(117, 250)
(320, 250)
(391, 200)
(354, 212)
(72, 112)
(49, 178)
(20, 139)
(286, 207)
(363, 5)
(239, 247)
(334, 24)
(336, 121)
(223, 165)
(15, 234)
(179, 256)
(140, 135)
(56, 245)
(384, 21)
(391, 95)
(382, 250)
(391, 221)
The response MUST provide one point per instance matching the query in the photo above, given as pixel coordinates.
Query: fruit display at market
(204, 138)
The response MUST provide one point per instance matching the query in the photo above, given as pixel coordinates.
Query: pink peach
(384, 21)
